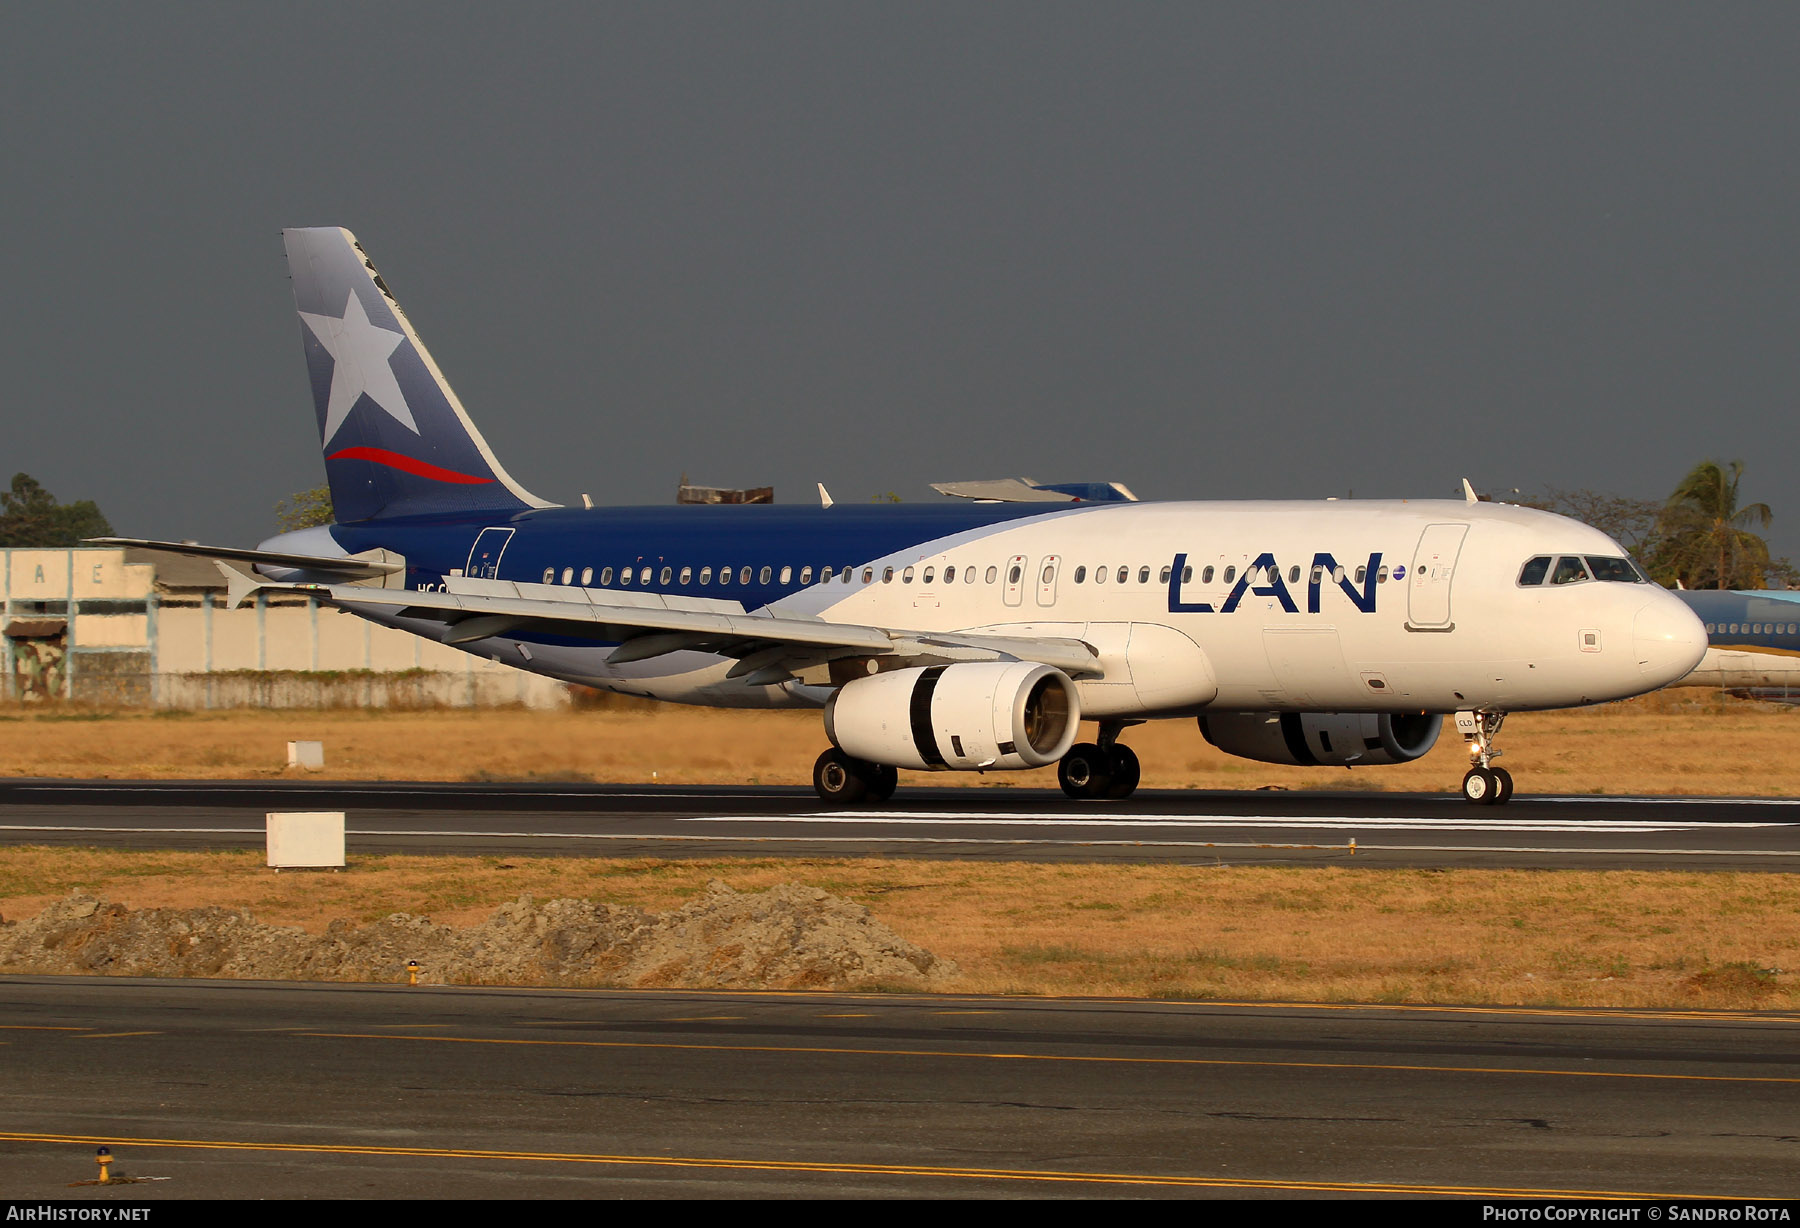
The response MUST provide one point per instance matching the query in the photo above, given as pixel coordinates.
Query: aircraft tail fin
(397, 440)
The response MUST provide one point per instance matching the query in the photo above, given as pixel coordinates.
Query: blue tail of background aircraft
(397, 441)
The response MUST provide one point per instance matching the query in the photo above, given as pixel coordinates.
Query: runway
(1357, 828)
(294, 1091)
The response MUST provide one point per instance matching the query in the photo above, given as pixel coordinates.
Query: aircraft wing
(773, 647)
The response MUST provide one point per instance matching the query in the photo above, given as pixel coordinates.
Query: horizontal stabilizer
(341, 567)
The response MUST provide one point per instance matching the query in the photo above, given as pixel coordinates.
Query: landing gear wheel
(1122, 763)
(1503, 786)
(840, 779)
(883, 780)
(1084, 771)
(1481, 787)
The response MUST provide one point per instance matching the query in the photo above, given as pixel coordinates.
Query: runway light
(104, 1158)
(412, 972)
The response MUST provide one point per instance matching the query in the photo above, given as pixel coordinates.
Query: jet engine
(978, 715)
(1314, 739)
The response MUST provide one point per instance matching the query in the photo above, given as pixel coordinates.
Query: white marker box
(309, 840)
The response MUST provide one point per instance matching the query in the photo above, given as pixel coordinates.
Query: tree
(1630, 522)
(30, 517)
(1704, 536)
(305, 509)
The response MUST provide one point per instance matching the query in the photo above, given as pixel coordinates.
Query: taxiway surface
(254, 1089)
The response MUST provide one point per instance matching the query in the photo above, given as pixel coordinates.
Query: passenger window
(687, 576)
(1317, 576)
(887, 575)
(824, 575)
(906, 576)
(929, 572)
(743, 575)
(1337, 574)
(1099, 575)
(1569, 570)
(1535, 571)
(1205, 576)
(993, 573)
(1012, 576)
(1124, 574)
(1187, 574)
(1080, 574)
(1231, 573)
(1294, 574)
(1143, 575)
(568, 575)
(787, 574)
(587, 576)
(806, 575)
(724, 576)
(625, 576)
(605, 575)
(949, 575)
(1381, 574)
(868, 575)
(1362, 573)
(1049, 574)
(549, 575)
(706, 575)
(764, 576)
(1164, 577)
(668, 574)
(643, 575)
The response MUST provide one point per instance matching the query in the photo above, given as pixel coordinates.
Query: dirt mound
(785, 938)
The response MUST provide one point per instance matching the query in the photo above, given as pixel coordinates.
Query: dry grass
(1676, 742)
(1505, 937)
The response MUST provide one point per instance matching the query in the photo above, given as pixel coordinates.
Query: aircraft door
(484, 555)
(1047, 569)
(1428, 587)
(1015, 579)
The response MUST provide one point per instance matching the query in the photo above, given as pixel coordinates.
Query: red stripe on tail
(407, 464)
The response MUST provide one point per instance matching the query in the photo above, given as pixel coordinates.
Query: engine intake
(980, 715)
(1316, 739)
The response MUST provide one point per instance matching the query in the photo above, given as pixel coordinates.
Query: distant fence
(406, 689)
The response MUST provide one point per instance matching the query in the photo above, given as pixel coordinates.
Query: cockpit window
(1619, 571)
(1535, 571)
(1569, 570)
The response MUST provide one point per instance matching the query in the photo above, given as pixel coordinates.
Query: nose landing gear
(1484, 784)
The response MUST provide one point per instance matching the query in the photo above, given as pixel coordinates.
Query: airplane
(968, 637)
(1753, 637)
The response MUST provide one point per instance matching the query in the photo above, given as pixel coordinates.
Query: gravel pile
(789, 937)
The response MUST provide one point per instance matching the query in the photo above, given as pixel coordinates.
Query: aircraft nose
(1669, 640)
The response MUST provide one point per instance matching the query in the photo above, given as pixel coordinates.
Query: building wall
(84, 624)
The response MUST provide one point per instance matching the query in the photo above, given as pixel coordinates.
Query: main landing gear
(1484, 784)
(1108, 769)
(845, 781)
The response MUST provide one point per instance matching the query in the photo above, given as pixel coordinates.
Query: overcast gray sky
(1211, 250)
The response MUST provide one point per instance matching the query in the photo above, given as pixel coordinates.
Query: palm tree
(1705, 539)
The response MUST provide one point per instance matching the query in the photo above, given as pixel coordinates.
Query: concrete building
(132, 627)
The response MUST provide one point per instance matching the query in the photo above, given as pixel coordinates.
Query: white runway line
(1114, 822)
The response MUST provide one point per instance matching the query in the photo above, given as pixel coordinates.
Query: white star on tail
(360, 350)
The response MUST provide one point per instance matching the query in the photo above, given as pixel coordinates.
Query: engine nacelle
(1314, 739)
(1003, 714)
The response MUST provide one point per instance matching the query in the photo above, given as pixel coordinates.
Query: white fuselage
(1439, 623)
